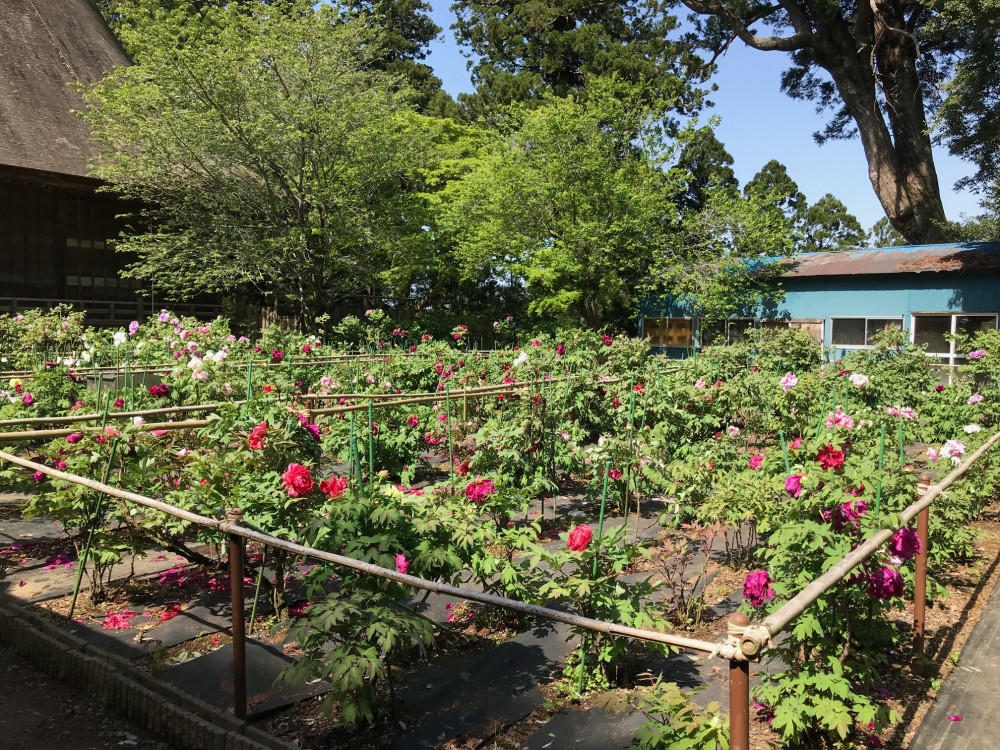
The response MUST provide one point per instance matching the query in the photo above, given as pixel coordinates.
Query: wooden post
(739, 694)
(920, 577)
(237, 552)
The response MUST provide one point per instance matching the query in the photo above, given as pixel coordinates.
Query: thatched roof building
(54, 227)
(45, 45)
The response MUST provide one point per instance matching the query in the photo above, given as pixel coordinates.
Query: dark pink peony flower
(479, 489)
(402, 564)
(277, 355)
(76, 437)
(905, 544)
(757, 588)
(885, 583)
(756, 461)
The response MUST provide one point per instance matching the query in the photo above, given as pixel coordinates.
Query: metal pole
(739, 694)
(920, 577)
(237, 552)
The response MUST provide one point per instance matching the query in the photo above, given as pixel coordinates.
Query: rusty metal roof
(43, 47)
(960, 257)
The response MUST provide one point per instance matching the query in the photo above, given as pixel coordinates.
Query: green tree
(774, 182)
(266, 152)
(708, 165)
(524, 48)
(712, 259)
(568, 199)
(883, 235)
(827, 225)
(877, 66)
(970, 114)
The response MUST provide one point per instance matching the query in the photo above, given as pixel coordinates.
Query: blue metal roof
(954, 257)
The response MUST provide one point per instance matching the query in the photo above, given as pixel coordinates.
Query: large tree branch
(792, 43)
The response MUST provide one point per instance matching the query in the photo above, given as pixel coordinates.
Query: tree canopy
(267, 149)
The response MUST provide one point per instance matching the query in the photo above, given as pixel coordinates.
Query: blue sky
(759, 123)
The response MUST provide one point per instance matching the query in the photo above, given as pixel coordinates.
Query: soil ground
(38, 712)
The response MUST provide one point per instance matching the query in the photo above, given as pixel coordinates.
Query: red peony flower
(298, 480)
(830, 458)
(257, 435)
(579, 538)
(333, 487)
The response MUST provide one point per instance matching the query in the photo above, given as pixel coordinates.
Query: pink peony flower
(579, 538)
(306, 348)
(298, 480)
(756, 461)
(27, 399)
(402, 564)
(757, 588)
(796, 444)
(788, 382)
(975, 398)
(977, 354)
(133, 327)
(615, 474)
(732, 431)
(932, 455)
(699, 383)
(412, 420)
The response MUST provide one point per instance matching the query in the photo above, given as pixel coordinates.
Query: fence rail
(745, 642)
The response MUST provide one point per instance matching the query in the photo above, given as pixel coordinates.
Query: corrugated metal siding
(896, 295)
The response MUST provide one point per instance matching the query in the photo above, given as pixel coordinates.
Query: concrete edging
(173, 716)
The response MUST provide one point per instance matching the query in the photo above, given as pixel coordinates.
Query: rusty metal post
(739, 693)
(237, 552)
(920, 577)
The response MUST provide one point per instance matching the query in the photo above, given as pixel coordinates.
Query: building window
(721, 332)
(934, 330)
(668, 331)
(856, 333)
(811, 326)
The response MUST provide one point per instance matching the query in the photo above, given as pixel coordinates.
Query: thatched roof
(45, 45)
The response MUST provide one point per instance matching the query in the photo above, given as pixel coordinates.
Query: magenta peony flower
(885, 583)
(76, 437)
(579, 538)
(277, 355)
(757, 588)
(306, 348)
(607, 339)
(560, 349)
(402, 564)
(479, 489)
(412, 420)
(793, 484)
(27, 399)
(905, 544)
(977, 354)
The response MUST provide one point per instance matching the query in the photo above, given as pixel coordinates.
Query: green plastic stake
(600, 533)
(82, 560)
(371, 446)
(256, 594)
(784, 452)
(902, 458)
(451, 454)
(822, 416)
(107, 405)
(881, 463)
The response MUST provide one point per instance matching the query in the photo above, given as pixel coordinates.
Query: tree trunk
(870, 51)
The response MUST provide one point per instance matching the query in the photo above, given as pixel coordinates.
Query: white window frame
(954, 358)
(866, 318)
